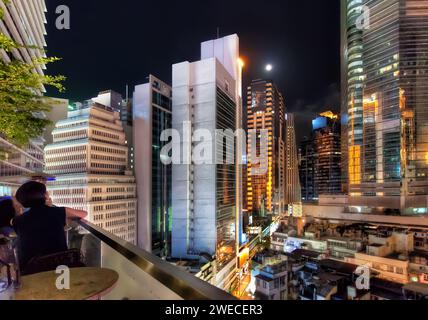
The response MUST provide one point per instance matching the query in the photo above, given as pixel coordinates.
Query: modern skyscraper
(320, 163)
(24, 22)
(266, 111)
(152, 115)
(206, 197)
(352, 86)
(386, 99)
(89, 158)
(307, 169)
(293, 193)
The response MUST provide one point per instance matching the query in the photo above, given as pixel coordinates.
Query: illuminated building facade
(24, 22)
(152, 115)
(352, 88)
(388, 123)
(293, 191)
(327, 130)
(206, 197)
(113, 99)
(266, 111)
(320, 162)
(89, 159)
(307, 169)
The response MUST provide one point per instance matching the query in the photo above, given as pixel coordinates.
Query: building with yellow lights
(266, 111)
(385, 104)
(320, 158)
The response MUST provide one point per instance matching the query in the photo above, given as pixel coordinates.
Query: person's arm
(72, 214)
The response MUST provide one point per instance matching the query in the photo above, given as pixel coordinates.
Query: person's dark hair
(31, 194)
(7, 213)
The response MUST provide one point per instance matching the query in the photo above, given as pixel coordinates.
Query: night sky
(113, 43)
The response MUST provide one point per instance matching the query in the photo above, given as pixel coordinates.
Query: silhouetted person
(40, 230)
(7, 213)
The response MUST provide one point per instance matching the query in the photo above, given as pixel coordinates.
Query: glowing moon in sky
(269, 67)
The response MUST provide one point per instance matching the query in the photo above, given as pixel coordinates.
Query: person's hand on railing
(73, 214)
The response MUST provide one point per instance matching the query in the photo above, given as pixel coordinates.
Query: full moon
(269, 67)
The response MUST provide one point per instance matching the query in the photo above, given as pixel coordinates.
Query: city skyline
(309, 87)
(271, 163)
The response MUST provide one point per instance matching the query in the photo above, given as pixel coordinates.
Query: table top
(85, 284)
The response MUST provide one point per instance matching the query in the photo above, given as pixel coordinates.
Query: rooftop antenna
(218, 33)
(127, 93)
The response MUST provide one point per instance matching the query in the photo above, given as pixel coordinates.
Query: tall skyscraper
(152, 115)
(24, 22)
(307, 169)
(320, 163)
(293, 193)
(206, 198)
(89, 158)
(386, 99)
(266, 111)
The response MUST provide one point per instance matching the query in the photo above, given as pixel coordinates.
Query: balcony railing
(142, 276)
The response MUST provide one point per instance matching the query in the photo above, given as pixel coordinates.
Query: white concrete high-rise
(89, 158)
(207, 198)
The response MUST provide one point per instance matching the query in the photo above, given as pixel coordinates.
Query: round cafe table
(85, 284)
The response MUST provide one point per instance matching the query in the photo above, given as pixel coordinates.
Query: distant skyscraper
(307, 169)
(266, 111)
(293, 192)
(89, 158)
(24, 22)
(153, 115)
(58, 112)
(320, 163)
(206, 198)
(386, 99)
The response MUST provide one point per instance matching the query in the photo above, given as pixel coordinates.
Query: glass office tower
(386, 81)
(320, 158)
(152, 112)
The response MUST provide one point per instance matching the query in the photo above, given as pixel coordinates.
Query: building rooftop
(338, 266)
(302, 253)
(264, 278)
(420, 288)
(376, 245)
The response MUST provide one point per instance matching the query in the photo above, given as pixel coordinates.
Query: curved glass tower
(385, 102)
(352, 90)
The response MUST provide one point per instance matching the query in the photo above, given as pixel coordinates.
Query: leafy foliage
(22, 106)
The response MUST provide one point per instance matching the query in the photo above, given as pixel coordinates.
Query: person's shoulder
(17, 220)
(56, 210)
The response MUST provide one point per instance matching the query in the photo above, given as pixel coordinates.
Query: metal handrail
(182, 283)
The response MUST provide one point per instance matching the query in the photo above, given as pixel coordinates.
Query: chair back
(71, 259)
